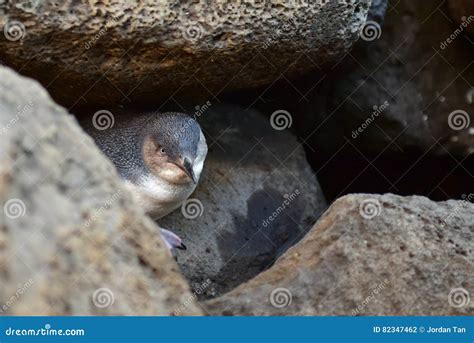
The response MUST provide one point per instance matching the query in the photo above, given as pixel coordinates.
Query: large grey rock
(104, 53)
(370, 255)
(257, 196)
(72, 242)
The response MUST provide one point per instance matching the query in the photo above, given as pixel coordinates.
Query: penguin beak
(187, 167)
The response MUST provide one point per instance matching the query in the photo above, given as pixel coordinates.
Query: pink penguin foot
(172, 241)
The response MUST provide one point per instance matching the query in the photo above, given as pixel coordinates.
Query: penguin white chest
(159, 197)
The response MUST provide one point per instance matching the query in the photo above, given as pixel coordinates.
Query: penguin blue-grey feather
(160, 156)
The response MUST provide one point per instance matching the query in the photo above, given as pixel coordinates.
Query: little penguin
(160, 156)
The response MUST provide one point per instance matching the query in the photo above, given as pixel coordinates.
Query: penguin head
(173, 148)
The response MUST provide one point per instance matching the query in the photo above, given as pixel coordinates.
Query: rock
(410, 90)
(377, 11)
(126, 51)
(370, 255)
(72, 242)
(257, 196)
(462, 11)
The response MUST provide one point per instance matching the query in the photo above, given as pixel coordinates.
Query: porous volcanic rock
(105, 53)
(370, 255)
(72, 242)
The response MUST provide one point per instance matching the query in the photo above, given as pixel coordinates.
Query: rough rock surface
(256, 197)
(377, 11)
(422, 76)
(71, 240)
(105, 53)
(461, 10)
(370, 255)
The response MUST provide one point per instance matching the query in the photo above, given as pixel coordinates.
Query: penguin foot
(172, 241)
